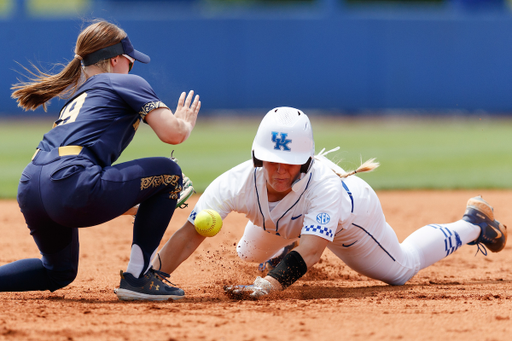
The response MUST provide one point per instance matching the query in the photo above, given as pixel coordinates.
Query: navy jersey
(103, 116)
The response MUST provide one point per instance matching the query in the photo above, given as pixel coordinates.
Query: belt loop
(70, 150)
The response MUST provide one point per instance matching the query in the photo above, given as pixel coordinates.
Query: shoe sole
(128, 295)
(482, 206)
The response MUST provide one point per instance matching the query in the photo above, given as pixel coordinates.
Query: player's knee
(395, 283)
(61, 279)
(248, 254)
(172, 167)
(62, 267)
(243, 253)
(398, 281)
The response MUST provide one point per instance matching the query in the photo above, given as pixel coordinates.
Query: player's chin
(281, 185)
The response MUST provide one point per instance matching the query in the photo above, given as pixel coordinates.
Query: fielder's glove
(260, 287)
(186, 191)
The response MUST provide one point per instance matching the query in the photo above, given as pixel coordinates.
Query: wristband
(290, 269)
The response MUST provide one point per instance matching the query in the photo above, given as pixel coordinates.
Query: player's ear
(114, 61)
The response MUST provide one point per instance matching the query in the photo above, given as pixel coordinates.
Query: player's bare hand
(187, 109)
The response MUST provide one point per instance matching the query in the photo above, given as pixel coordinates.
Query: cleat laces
(163, 276)
(481, 248)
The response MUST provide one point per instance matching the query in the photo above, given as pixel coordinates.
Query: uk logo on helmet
(281, 142)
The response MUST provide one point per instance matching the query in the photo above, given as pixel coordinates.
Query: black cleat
(150, 287)
(494, 233)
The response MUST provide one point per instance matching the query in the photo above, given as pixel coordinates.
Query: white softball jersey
(346, 212)
(314, 206)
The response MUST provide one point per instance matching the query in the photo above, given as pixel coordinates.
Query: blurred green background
(455, 152)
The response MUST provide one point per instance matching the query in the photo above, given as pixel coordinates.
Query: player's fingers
(198, 106)
(181, 100)
(189, 98)
(195, 103)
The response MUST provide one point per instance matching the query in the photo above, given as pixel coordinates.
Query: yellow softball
(208, 223)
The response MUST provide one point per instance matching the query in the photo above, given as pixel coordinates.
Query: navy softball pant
(57, 195)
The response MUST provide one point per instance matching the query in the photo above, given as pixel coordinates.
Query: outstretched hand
(261, 287)
(186, 109)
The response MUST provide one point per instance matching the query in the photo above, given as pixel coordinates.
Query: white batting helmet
(284, 136)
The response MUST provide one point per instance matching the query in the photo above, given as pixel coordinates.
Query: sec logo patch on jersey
(323, 218)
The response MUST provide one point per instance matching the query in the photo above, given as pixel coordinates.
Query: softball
(208, 223)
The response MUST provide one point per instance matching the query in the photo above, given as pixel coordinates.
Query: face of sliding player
(284, 147)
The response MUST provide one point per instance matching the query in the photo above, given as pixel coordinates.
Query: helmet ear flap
(305, 167)
(255, 161)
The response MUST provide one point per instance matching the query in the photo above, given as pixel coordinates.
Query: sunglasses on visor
(130, 60)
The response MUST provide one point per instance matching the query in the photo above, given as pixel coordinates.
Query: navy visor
(124, 47)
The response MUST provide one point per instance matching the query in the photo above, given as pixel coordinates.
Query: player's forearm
(297, 262)
(178, 248)
(311, 249)
(167, 127)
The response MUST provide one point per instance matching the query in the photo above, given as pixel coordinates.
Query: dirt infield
(463, 297)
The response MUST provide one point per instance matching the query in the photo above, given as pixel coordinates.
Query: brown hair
(43, 86)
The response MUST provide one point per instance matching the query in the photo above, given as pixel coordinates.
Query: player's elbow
(172, 138)
(175, 136)
(313, 259)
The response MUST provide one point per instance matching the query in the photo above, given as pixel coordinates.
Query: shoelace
(481, 247)
(163, 275)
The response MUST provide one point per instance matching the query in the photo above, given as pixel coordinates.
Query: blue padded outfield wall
(324, 54)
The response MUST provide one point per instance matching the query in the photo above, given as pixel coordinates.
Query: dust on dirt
(463, 297)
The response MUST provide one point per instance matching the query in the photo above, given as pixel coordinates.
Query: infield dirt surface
(463, 297)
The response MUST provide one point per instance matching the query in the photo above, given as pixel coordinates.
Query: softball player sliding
(71, 182)
(289, 194)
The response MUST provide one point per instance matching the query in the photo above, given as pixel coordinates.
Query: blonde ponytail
(367, 166)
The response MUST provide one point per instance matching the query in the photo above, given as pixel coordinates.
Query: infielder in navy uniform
(71, 182)
(293, 197)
